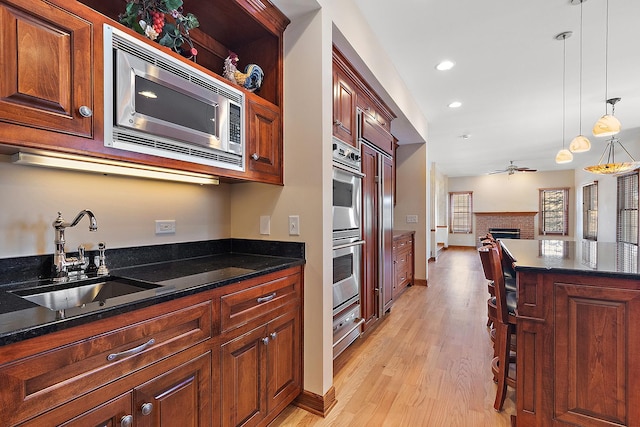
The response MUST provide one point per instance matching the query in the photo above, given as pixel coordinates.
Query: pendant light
(564, 155)
(607, 125)
(611, 167)
(580, 143)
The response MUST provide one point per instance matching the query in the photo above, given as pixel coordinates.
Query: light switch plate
(165, 226)
(294, 225)
(265, 224)
(412, 219)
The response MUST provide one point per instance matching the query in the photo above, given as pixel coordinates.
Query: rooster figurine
(252, 77)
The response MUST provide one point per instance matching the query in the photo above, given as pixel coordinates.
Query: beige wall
(411, 199)
(511, 193)
(126, 209)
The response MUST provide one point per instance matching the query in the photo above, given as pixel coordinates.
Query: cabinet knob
(126, 421)
(255, 156)
(146, 408)
(273, 335)
(337, 123)
(85, 111)
(265, 340)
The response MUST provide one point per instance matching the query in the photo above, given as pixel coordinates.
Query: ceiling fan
(511, 169)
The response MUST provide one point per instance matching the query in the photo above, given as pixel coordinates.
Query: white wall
(411, 199)
(125, 208)
(512, 193)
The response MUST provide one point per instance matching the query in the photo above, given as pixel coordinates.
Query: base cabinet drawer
(403, 262)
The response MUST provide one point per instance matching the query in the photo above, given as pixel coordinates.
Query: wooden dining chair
(505, 327)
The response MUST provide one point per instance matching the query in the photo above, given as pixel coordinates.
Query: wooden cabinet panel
(252, 303)
(111, 414)
(595, 342)
(244, 362)
(179, 397)
(403, 262)
(387, 232)
(264, 142)
(44, 380)
(370, 292)
(283, 360)
(47, 58)
(344, 108)
(376, 134)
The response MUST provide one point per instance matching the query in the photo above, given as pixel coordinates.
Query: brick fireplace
(524, 221)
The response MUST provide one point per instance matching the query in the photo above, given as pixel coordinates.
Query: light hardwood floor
(427, 364)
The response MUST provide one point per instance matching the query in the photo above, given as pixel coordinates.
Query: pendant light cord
(606, 61)
(564, 72)
(580, 96)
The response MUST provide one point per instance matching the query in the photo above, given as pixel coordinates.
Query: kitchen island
(578, 316)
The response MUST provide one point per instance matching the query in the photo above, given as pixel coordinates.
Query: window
(590, 211)
(554, 211)
(460, 212)
(627, 221)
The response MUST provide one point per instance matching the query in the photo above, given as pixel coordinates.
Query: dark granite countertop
(398, 233)
(583, 257)
(21, 319)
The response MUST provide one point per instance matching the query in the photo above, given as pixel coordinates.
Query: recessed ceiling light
(455, 104)
(445, 65)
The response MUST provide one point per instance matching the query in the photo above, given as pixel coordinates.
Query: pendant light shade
(564, 155)
(580, 143)
(607, 125)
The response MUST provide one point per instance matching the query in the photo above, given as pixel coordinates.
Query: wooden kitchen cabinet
(72, 371)
(48, 56)
(264, 142)
(403, 261)
(261, 368)
(344, 105)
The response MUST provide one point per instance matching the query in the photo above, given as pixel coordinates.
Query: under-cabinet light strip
(102, 166)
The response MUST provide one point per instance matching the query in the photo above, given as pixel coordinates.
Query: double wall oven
(347, 245)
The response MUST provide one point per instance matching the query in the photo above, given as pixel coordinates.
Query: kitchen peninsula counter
(577, 318)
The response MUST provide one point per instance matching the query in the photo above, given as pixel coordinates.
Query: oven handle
(348, 245)
(357, 325)
(348, 170)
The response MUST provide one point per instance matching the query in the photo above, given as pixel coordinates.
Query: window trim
(565, 219)
(590, 205)
(469, 213)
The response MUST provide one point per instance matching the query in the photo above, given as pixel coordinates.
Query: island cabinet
(578, 342)
(226, 356)
(52, 87)
(261, 357)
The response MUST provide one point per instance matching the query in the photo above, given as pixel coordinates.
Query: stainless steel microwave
(156, 104)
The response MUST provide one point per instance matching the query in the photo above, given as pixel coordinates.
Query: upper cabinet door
(47, 73)
(344, 108)
(264, 142)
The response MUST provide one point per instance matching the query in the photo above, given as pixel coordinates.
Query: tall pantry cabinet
(362, 119)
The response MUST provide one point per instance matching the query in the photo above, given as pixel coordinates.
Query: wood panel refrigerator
(377, 232)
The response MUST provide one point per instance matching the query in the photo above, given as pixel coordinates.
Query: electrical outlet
(165, 226)
(294, 225)
(265, 224)
(412, 219)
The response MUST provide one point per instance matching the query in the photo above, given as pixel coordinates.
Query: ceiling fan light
(607, 125)
(580, 144)
(564, 156)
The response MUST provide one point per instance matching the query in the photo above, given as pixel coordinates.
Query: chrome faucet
(62, 264)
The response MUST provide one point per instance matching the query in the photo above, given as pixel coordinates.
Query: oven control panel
(346, 155)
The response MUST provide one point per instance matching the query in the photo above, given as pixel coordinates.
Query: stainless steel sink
(59, 297)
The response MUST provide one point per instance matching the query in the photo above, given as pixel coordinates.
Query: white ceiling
(509, 76)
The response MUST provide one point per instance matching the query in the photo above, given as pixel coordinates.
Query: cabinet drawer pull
(267, 298)
(138, 349)
(85, 111)
(126, 421)
(255, 156)
(265, 340)
(273, 335)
